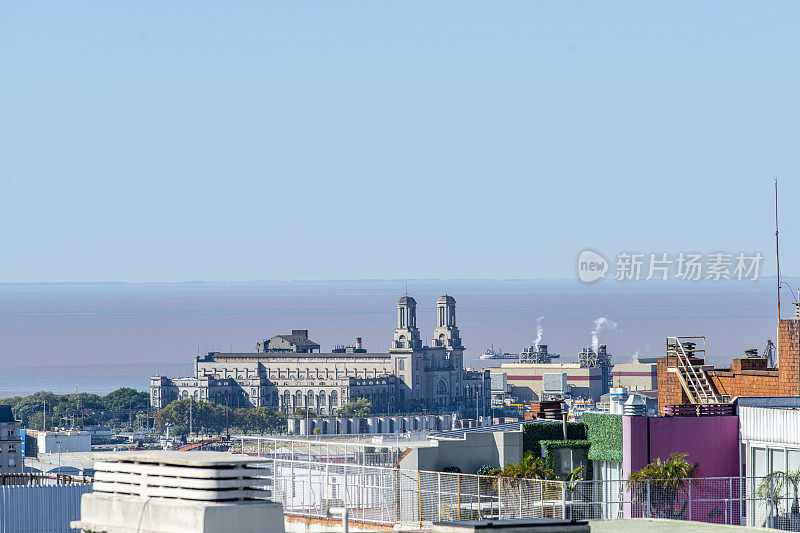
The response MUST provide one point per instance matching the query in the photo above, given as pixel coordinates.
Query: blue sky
(154, 141)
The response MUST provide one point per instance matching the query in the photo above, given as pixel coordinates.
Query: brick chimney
(789, 356)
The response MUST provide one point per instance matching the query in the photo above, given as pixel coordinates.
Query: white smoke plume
(635, 356)
(539, 331)
(599, 325)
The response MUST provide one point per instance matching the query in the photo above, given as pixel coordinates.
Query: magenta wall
(710, 441)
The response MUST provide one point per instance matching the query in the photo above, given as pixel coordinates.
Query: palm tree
(512, 480)
(771, 490)
(529, 468)
(665, 479)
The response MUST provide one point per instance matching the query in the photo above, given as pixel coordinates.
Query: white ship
(492, 354)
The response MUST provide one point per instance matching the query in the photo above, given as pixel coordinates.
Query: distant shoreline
(367, 280)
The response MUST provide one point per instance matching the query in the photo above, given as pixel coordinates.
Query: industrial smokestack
(358, 343)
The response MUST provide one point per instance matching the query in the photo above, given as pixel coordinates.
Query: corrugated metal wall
(43, 508)
(771, 425)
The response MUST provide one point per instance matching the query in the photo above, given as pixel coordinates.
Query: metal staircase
(693, 378)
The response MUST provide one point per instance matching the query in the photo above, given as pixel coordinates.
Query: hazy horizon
(102, 336)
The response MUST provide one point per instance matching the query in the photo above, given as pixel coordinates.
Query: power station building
(289, 372)
(529, 381)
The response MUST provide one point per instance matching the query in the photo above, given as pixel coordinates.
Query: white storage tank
(617, 397)
(397, 424)
(372, 425)
(355, 425)
(303, 426)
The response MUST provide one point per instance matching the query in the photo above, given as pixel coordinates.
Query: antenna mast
(777, 251)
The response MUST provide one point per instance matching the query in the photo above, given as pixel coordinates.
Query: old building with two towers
(289, 372)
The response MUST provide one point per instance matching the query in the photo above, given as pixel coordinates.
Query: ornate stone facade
(287, 374)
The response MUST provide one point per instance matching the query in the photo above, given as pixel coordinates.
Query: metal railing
(770, 501)
(355, 451)
(41, 478)
(386, 496)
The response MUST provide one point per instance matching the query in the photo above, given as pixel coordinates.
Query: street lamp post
(59, 442)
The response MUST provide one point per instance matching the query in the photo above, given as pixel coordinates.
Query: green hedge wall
(534, 433)
(604, 431)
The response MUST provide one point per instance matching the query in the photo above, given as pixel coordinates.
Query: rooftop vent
(196, 476)
(178, 492)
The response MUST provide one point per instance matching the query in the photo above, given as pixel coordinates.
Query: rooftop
(407, 300)
(546, 366)
(291, 355)
(461, 433)
(299, 338)
(191, 458)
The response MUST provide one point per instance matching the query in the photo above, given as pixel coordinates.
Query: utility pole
(191, 401)
(777, 251)
(44, 414)
(477, 406)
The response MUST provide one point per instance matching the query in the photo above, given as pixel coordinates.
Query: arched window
(334, 400)
(185, 394)
(287, 399)
(322, 398)
(441, 387)
(310, 399)
(298, 399)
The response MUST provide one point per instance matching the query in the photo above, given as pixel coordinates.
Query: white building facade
(10, 442)
(288, 372)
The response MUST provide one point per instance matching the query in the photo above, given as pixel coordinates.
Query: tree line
(215, 419)
(122, 406)
(79, 409)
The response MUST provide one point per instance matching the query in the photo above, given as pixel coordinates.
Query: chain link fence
(344, 450)
(411, 498)
(389, 496)
(770, 501)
